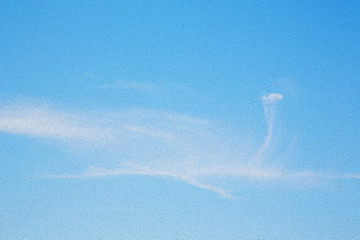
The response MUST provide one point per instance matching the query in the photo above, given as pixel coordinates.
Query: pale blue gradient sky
(134, 120)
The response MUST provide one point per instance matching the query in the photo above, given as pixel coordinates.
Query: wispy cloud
(155, 143)
(47, 123)
(160, 89)
(132, 85)
(268, 104)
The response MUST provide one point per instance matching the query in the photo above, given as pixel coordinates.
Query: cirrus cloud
(155, 143)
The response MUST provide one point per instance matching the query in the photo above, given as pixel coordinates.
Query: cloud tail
(268, 104)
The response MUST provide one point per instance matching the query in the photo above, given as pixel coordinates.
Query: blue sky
(179, 120)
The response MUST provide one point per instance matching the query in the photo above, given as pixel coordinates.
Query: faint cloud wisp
(155, 143)
(132, 85)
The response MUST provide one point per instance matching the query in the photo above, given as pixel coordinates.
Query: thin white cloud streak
(158, 89)
(46, 123)
(154, 143)
(193, 177)
(93, 172)
(132, 85)
(268, 104)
